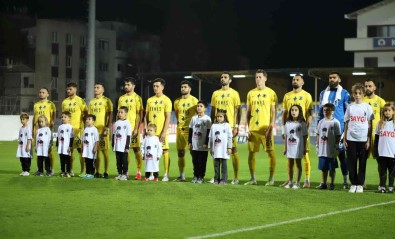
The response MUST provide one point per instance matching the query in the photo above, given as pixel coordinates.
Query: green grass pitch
(54, 207)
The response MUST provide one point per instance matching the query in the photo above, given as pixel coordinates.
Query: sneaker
(67, 175)
(270, 182)
(390, 189)
(52, 171)
(194, 180)
(381, 190)
(71, 173)
(82, 175)
(26, 173)
(345, 185)
(117, 177)
(89, 176)
(200, 181)
(48, 174)
(97, 175)
(123, 178)
(146, 179)
(223, 182)
(151, 177)
(285, 183)
(288, 185)
(212, 181)
(21, 174)
(296, 186)
(359, 189)
(138, 176)
(235, 181)
(156, 180)
(306, 184)
(179, 179)
(105, 175)
(37, 173)
(353, 188)
(215, 182)
(165, 178)
(322, 186)
(252, 182)
(331, 186)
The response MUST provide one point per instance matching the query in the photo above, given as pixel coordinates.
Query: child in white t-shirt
(64, 144)
(327, 146)
(151, 149)
(384, 146)
(295, 143)
(24, 145)
(43, 146)
(90, 144)
(357, 132)
(220, 145)
(121, 133)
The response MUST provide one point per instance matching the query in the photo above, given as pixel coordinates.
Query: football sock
(272, 163)
(139, 160)
(166, 161)
(251, 164)
(307, 165)
(236, 164)
(105, 153)
(181, 164)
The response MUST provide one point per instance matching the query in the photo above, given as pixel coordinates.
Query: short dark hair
(185, 82)
(71, 84)
(261, 71)
(160, 80)
(93, 117)
(129, 79)
(330, 106)
(203, 103)
(299, 74)
(374, 83)
(44, 88)
(335, 73)
(125, 108)
(67, 113)
(99, 83)
(228, 73)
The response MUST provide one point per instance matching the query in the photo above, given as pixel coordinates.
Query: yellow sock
(236, 164)
(166, 161)
(106, 160)
(251, 164)
(272, 163)
(307, 166)
(181, 164)
(139, 160)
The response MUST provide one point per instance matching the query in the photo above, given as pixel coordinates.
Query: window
(54, 83)
(119, 67)
(82, 52)
(69, 50)
(381, 31)
(82, 63)
(103, 66)
(25, 82)
(55, 48)
(103, 45)
(54, 71)
(370, 62)
(54, 37)
(82, 41)
(69, 73)
(54, 60)
(68, 61)
(69, 39)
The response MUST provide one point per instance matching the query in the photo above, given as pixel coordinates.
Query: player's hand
(345, 144)
(162, 137)
(235, 131)
(269, 131)
(248, 136)
(135, 132)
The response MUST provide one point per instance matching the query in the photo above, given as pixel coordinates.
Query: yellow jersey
(302, 98)
(185, 108)
(226, 100)
(377, 103)
(156, 109)
(134, 104)
(259, 103)
(46, 108)
(100, 107)
(76, 106)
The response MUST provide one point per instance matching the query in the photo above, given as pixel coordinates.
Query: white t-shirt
(387, 139)
(151, 149)
(43, 141)
(65, 133)
(358, 117)
(199, 126)
(295, 131)
(121, 130)
(89, 139)
(25, 134)
(219, 137)
(327, 130)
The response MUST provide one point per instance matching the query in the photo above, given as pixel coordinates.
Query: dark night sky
(215, 33)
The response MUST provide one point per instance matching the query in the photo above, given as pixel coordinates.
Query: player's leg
(235, 161)
(106, 157)
(181, 145)
(135, 145)
(269, 148)
(307, 165)
(166, 158)
(253, 148)
(98, 160)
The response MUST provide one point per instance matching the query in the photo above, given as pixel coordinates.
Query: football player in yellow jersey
(261, 116)
(47, 108)
(158, 112)
(102, 108)
(78, 109)
(228, 99)
(185, 108)
(377, 103)
(300, 97)
(135, 116)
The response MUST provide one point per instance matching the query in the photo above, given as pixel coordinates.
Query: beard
(295, 86)
(223, 83)
(333, 85)
(184, 93)
(368, 93)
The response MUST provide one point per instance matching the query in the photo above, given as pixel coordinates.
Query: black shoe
(331, 186)
(345, 186)
(105, 175)
(322, 186)
(97, 175)
(381, 190)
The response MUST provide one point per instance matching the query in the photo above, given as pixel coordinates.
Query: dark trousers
(25, 163)
(220, 169)
(343, 162)
(356, 156)
(41, 161)
(199, 160)
(147, 174)
(122, 162)
(386, 165)
(89, 165)
(65, 163)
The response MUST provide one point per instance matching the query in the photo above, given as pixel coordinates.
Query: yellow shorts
(165, 144)
(181, 140)
(256, 140)
(104, 142)
(135, 141)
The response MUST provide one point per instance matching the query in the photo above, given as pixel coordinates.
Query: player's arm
(237, 121)
(165, 126)
(213, 108)
(345, 133)
(272, 121)
(309, 117)
(367, 146)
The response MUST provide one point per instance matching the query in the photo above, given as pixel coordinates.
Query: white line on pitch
(289, 222)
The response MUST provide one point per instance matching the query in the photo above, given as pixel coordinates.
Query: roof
(354, 15)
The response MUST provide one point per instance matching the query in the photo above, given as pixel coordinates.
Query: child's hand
(367, 145)
(27, 149)
(345, 144)
(68, 149)
(229, 151)
(204, 146)
(126, 150)
(157, 159)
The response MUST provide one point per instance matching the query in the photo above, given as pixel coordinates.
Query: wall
(9, 127)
